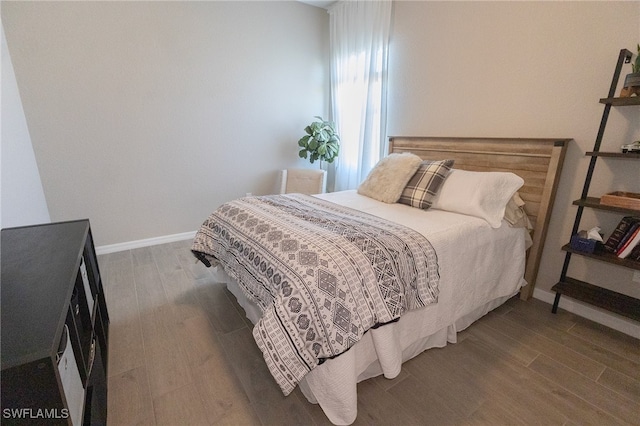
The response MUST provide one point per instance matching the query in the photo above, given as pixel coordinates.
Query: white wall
(22, 197)
(145, 116)
(523, 69)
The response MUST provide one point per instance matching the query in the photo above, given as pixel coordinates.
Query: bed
(467, 265)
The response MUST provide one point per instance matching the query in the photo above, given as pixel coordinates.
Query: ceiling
(319, 3)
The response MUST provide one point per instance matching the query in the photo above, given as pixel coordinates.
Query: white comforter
(480, 267)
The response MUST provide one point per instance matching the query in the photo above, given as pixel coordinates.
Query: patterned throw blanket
(323, 274)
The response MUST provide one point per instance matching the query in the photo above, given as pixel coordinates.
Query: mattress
(480, 267)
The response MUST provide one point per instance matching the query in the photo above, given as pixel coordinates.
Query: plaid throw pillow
(425, 183)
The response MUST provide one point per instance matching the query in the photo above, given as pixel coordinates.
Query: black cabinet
(55, 326)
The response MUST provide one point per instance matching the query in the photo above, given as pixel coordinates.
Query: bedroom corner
(22, 201)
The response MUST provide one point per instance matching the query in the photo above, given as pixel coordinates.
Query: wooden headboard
(537, 161)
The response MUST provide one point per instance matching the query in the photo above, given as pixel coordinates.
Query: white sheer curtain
(359, 43)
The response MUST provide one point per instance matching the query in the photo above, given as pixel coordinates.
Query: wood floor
(181, 352)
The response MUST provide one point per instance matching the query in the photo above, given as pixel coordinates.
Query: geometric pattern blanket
(322, 274)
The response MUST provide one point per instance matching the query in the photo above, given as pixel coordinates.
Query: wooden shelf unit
(634, 100)
(597, 296)
(592, 294)
(594, 203)
(605, 257)
(628, 155)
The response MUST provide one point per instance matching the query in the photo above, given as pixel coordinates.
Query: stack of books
(625, 239)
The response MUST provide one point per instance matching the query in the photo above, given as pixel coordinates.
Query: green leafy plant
(321, 141)
(635, 67)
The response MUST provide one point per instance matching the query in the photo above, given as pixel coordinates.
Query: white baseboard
(621, 324)
(112, 248)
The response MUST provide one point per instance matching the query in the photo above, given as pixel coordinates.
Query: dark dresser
(55, 326)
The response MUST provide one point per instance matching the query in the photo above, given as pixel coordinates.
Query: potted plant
(321, 141)
(632, 81)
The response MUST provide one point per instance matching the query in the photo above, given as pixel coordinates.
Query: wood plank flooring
(181, 352)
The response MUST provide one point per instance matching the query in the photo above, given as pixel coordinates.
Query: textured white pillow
(388, 178)
(481, 194)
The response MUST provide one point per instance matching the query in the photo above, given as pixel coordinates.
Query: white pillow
(389, 177)
(481, 194)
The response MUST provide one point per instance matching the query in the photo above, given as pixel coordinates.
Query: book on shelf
(635, 253)
(631, 243)
(615, 240)
(627, 236)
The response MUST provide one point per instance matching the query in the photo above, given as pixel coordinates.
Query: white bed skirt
(381, 351)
